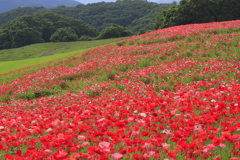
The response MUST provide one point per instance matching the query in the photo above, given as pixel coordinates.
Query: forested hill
(134, 15)
(47, 27)
(6, 5)
(198, 11)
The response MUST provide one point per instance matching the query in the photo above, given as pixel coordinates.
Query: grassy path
(50, 52)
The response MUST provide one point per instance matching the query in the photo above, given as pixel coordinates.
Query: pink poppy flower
(135, 133)
(222, 145)
(236, 137)
(85, 144)
(151, 153)
(81, 137)
(47, 151)
(165, 145)
(198, 128)
(210, 147)
(104, 146)
(116, 156)
(166, 132)
(130, 119)
(146, 156)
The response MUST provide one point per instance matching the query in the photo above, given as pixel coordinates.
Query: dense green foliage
(64, 35)
(114, 31)
(198, 11)
(134, 15)
(38, 25)
(5, 17)
(40, 28)
(7, 5)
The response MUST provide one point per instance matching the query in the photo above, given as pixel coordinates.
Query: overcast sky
(96, 1)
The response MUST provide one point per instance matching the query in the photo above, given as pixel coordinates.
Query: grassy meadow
(13, 59)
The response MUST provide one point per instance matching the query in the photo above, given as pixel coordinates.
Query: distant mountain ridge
(134, 15)
(7, 5)
(166, 1)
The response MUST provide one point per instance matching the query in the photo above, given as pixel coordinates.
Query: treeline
(48, 27)
(134, 15)
(51, 27)
(198, 11)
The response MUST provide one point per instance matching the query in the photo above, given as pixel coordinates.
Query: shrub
(64, 35)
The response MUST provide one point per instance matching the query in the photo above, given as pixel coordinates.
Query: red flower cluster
(168, 94)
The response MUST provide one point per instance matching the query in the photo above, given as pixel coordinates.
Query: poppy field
(169, 94)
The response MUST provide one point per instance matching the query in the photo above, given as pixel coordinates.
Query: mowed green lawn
(37, 50)
(13, 59)
(14, 65)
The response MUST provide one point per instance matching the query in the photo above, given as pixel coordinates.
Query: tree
(51, 22)
(198, 11)
(40, 28)
(141, 31)
(85, 38)
(5, 40)
(64, 35)
(166, 18)
(21, 33)
(228, 10)
(100, 15)
(26, 36)
(114, 31)
(174, 3)
(47, 30)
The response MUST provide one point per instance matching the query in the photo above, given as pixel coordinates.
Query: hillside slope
(100, 15)
(172, 93)
(40, 28)
(18, 58)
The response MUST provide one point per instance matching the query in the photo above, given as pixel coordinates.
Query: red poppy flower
(216, 141)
